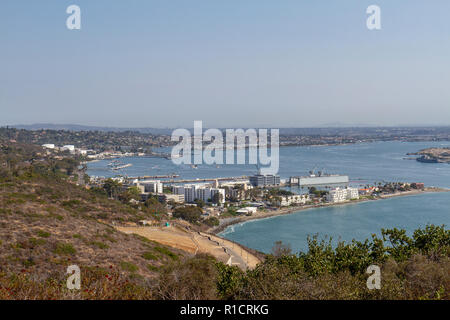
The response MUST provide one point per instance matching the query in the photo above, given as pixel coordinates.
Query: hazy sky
(230, 63)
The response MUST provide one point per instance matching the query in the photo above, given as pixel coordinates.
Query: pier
(172, 180)
(169, 176)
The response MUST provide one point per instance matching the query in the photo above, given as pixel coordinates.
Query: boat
(320, 178)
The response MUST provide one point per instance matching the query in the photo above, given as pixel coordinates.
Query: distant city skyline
(164, 64)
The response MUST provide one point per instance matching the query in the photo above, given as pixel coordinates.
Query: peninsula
(433, 155)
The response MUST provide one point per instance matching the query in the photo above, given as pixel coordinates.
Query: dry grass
(46, 225)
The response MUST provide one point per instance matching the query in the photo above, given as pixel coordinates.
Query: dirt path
(197, 242)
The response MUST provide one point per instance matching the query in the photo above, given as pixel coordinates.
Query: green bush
(211, 222)
(167, 252)
(188, 213)
(36, 242)
(152, 268)
(128, 266)
(149, 256)
(99, 244)
(43, 234)
(65, 249)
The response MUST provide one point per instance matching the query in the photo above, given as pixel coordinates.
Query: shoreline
(290, 210)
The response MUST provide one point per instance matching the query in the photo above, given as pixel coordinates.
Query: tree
(200, 203)
(155, 207)
(280, 249)
(112, 188)
(132, 193)
(211, 222)
(188, 213)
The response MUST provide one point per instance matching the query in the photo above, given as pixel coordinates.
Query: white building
(342, 194)
(178, 198)
(69, 147)
(49, 146)
(247, 210)
(83, 152)
(153, 186)
(195, 191)
(352, 193)
(220, 192)
(296, 199)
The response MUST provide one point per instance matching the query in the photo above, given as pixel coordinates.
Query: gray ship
(320, 178)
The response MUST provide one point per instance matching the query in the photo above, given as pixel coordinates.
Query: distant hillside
(441, 132)
(76, 127)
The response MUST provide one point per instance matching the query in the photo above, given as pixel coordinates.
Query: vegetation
(317, 193)
(128, 266)
(211, 222)
(65, 249)
(413, 267)
(191, 214)
(47, 222)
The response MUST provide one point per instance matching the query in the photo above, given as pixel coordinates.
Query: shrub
(128, 266)
(211, 222)
(191, 279)
(167, 252)
(43, 234)
(188, 213)
(152, 268)
(36, 242)
(99, 244)
(149, 256)
(65, 249)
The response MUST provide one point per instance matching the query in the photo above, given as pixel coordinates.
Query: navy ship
(320, 178)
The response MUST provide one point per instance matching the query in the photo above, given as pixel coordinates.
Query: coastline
(290, 210)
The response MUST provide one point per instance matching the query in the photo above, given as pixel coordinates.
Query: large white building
(342, 194)
(194, 191)
(296, 199)
(153, 186)
(149, 186)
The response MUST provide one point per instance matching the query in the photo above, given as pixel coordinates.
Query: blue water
(346, 222)
(364, 163)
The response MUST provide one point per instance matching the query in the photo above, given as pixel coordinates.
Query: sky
(229, 63)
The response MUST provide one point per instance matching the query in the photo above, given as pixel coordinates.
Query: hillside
(48, 223)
